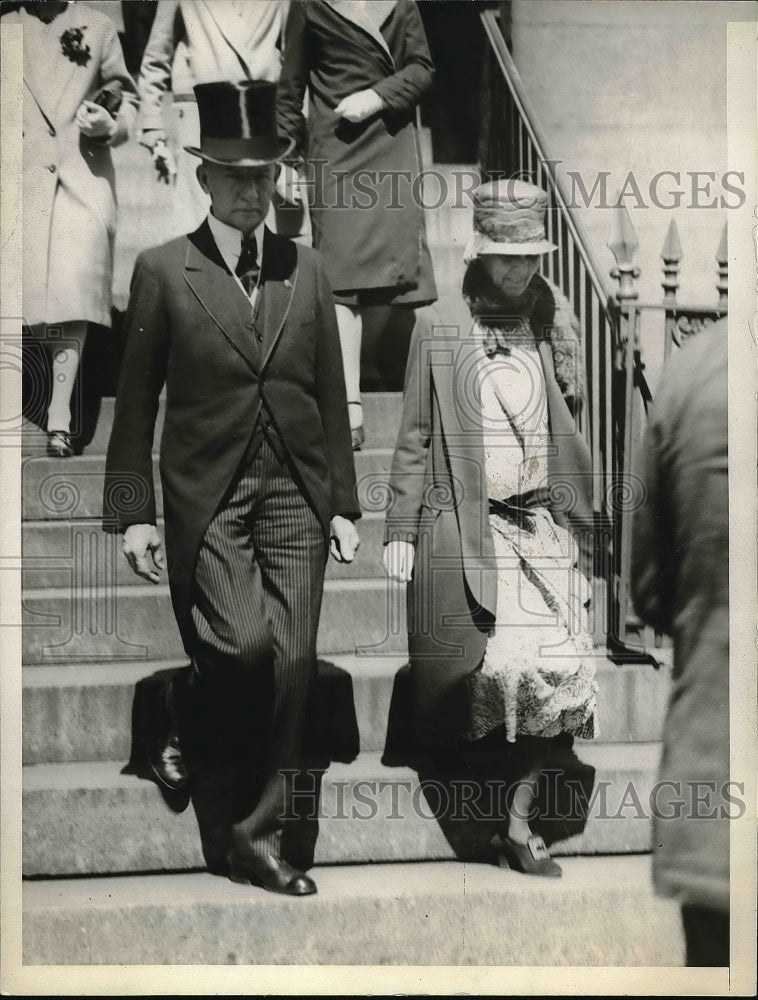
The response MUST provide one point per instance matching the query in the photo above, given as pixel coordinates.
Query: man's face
(511, 274)
(240, 196)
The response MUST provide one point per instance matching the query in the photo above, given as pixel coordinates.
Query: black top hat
(238, 123)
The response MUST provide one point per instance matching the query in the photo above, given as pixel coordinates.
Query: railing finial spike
(623, 244)
(671, 254)
(672, 246)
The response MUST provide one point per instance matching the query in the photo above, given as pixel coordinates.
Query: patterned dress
(538, 674)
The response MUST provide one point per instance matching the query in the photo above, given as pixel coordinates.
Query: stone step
(57, 553)
(137, 622)
(88, 818)
(81, 712)
(601, 913)
(69, 488)
(381, 411)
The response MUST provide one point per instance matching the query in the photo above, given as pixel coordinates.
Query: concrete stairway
(601, 913)
(92, 630)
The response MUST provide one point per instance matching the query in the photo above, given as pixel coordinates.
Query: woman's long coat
(69, 193)
(332, 52)
(439, 502)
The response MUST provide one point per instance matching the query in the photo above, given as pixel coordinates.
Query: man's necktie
(248, 269)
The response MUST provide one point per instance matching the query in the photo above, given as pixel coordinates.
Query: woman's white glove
(398, 560)
(288, 185)
(359, 106)
(94, 121)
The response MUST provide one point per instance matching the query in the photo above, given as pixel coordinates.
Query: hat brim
(514, 249)
(243, 161)
(480, 245)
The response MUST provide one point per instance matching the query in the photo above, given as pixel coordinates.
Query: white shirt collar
(229, 241)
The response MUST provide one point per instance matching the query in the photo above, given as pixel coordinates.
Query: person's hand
(150, 136)
(94, 121)
(288, 185)
(344, 541)
(164, 162)
(139, 540)
(398, 560)
(359, 106)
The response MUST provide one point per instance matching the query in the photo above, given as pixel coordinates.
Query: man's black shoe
(273, 873)
(165, 754)
(167, 764)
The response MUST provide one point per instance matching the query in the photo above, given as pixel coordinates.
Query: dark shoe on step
(59, 444)
(531, 858)
(273, 873)
(165, 753)
(167, 763)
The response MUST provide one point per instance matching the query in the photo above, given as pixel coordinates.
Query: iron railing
(513, 145)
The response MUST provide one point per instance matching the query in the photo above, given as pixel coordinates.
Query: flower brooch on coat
(73, 47)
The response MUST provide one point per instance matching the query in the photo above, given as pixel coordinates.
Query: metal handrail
(529, 118)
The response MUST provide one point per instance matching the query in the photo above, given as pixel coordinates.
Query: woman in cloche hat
(489, 471)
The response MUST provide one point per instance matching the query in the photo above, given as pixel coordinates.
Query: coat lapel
(219, 294)
(368, 17)
(460, 417)
(39, 66)
(279, 278)
(238, 32)
(63, 85)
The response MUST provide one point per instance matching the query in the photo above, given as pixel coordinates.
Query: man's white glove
(344, 541)
(139, 540)
(399, 558)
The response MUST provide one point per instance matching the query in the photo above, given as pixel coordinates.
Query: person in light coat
(201, 41)
(69, 192)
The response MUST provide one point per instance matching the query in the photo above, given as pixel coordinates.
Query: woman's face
(511, 274)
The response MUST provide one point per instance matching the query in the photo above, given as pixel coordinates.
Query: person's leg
(65, 357)
(393, 328)
(706, 935)
(524, 775)
(350, 326)
(290, 553)
(521, 848)
(224, 701)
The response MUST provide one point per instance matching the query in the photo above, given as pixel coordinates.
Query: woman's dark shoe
(59, 444)
(273, 873)
(357, 434)
(531, 858)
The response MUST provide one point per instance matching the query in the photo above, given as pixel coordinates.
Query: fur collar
(544, 308)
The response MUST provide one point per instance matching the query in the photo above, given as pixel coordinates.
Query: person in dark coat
(365, 67)
(488, 473)
(680, 585)
(256, 470)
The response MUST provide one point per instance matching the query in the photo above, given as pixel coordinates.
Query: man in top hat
(257, 475)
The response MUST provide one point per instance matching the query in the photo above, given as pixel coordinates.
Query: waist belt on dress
(518, 508)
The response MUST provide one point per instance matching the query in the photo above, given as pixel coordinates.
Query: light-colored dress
(538, 674)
